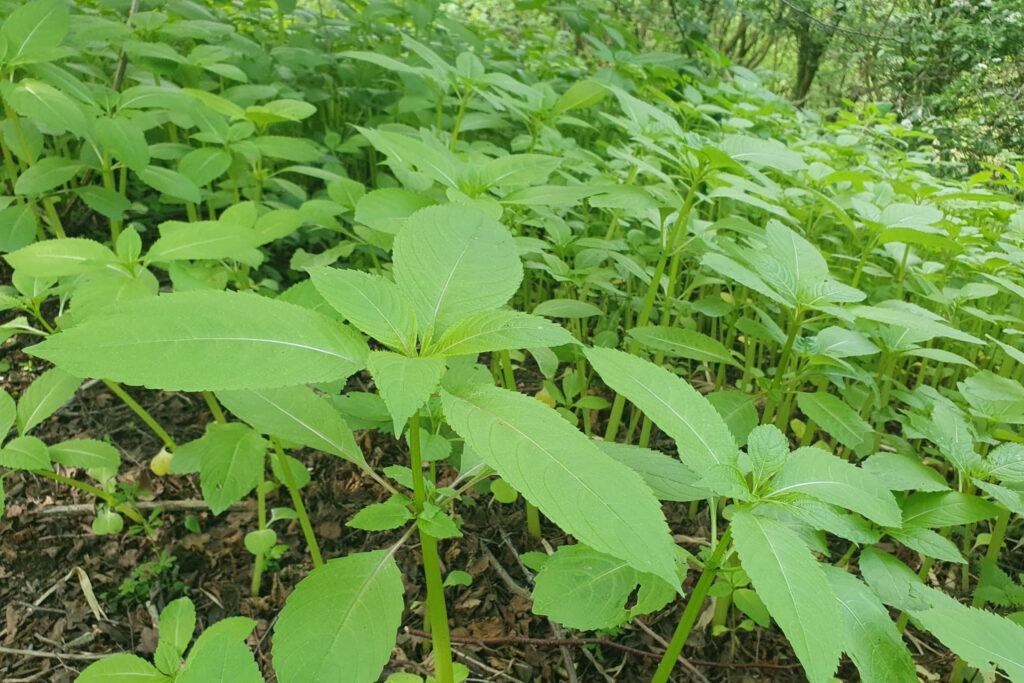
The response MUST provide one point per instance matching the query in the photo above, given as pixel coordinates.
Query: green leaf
(177, 624)
(668, 478)
(298, 150)
(1000, 399)
(580, 95)
(17, 227)
(32, 31)
(517, 169)
(904, 473)
(905, 215)
(61, 257)
(203, 166)
(682, 343)
(1006, 463)
(584, 589)
(25, 453)
(823, 476)
(86, 453)
(404, 383)
(452, 261)
(108, 203)
(841, 421)
(260, 541)
(890, 579)
(768, 450)
(46, 174)
(567, 308)
(702, 437)
(232, 464)
(794, 588)
(381, 516)
(738, 411)
(436, 522)
(298, 415)
(220, 653)
(42, 102)
(125, 141)
(499, 331)
(166, 181)
(928, 543)
(946, 508)
(121, 668)
(373, 304)
(45, 395)
(761, 152)
(204, 240)
(870, 636)
(388, 209)
(344, 616)
(439, 165)
(8, 414)
(1012, 499)
(601, 502)
(245, 341)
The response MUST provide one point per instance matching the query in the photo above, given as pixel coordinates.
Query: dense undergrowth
(258, 201)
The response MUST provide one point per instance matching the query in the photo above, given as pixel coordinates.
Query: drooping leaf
(452, 261)
(45, 395)
(585, 589)
(946, 508)
(405, 383)
(870, 636)
(86, 454)
(1006, 463)
(903, 473)
(837, 418)
(683, 343)
(123, 668)
(928, 543)
(374, 305)
(821, 475)
(794, 588)
(343, 617)
(567, 308)
(197, 341)
(668, 478)
(298, 415)
(125, 140)
(231, 465)
(702, 437)
(601, 502)
(171, 183)
(42, 102)
(25, 453)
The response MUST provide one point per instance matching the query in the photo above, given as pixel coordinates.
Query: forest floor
(69, 596)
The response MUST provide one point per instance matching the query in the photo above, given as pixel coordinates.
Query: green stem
(142, 413)
(783, 366)
(211, 403)
(123, 508)
(261, 520)
(437, 612)
(300, 508)
(693, 605)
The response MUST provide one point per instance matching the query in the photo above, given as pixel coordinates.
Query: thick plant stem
(300, 508)
(693, 605)
(142, 413)
(437, 611)
(123, 508)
